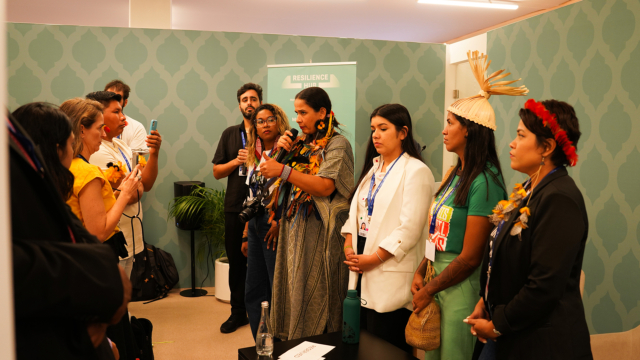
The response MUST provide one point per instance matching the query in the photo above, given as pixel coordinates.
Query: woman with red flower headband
(531, 306)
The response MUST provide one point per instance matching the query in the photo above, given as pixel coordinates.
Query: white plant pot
(222, 280)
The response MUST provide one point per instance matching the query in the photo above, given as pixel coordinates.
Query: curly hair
(282, 123)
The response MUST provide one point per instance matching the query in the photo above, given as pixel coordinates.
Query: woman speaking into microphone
(310, 281)
(387, 224)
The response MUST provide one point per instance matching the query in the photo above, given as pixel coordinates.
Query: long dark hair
(479, 153)
(49, 128)
(567, 120)
(317, 99)
(399, 116)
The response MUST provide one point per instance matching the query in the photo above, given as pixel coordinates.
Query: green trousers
(456, 303)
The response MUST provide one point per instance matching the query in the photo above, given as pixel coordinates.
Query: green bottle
(351, 318)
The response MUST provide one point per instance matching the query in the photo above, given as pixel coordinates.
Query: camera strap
(254, 185)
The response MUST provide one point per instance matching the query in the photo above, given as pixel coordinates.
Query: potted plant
(205, 206)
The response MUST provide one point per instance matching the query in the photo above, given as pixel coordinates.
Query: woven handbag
(423, 329)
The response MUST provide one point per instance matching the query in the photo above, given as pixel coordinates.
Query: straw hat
(477, 108)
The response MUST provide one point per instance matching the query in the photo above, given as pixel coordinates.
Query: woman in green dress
(310, 281)
(458, 223)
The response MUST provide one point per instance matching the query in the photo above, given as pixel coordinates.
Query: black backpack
(168, 268)
(151, 269)
(142, 329)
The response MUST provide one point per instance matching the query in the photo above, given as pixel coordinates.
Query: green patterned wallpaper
(188, 81)
(587, 54)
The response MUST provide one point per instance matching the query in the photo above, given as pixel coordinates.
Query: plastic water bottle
(351, 318)
(264, 338)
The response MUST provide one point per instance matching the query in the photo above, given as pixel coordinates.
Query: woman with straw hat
(458, 224)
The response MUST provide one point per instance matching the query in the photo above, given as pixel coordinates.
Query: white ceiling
(399, 20)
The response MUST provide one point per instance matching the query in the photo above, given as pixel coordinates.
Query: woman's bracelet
(286, 172)
(379, 257)
(115, 189)
(348, 247)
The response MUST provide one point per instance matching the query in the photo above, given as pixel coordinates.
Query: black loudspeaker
(184, 188)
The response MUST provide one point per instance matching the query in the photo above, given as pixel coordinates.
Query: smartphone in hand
(154, 126)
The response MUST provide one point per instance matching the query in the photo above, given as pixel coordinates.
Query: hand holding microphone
(273, 167)
(286, 142)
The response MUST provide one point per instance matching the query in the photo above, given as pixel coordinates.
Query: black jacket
(59, 286)
(534, 290)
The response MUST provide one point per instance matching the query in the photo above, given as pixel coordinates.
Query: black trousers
(233, 228)
(387, 326)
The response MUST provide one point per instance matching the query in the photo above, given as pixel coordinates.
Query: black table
(369, 347)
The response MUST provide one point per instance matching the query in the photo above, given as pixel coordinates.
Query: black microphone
(282, 154)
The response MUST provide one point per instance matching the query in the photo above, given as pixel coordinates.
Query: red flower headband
(550, 120)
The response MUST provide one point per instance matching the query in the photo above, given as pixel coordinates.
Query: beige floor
(189, 328)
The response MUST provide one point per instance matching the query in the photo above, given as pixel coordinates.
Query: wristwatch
(495, 331)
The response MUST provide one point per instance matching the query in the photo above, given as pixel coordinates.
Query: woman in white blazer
(384, 242)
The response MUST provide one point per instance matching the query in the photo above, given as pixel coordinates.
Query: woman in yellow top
(92, 198)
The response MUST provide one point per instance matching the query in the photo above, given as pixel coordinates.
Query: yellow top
(83, 174)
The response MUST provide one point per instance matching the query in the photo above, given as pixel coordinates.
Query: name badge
(430, 250)
(363, 229)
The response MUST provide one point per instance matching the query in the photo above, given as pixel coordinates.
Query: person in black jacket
(531, 307)
(67, 287)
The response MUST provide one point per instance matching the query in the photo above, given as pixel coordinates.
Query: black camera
(253, 206)
(250, 209)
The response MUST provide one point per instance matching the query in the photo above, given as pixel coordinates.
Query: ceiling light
(470, 4)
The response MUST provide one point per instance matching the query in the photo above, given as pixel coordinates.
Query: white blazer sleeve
(416, 199)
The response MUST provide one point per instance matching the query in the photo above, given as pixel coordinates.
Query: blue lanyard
(371, 200)
(82, 157)
(27, 146)
(125, 159)
(244, 145)
(440, 203)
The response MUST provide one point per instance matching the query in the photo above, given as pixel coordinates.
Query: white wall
(459, 79)
(7, 348)
(150, 14)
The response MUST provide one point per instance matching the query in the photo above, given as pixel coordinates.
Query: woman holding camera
(268, 123)
(388, 224)
(310, 282)
(531, 306)
(458, 224)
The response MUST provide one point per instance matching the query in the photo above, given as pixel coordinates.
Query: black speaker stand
(193, 292)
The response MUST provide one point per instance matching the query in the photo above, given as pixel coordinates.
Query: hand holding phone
(154, 140)
(154, 126)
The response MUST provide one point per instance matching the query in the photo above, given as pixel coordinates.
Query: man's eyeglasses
(270, 120)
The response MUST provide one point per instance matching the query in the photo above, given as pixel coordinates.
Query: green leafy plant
(206, 207)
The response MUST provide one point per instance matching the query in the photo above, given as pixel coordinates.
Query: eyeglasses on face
(270, 120)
